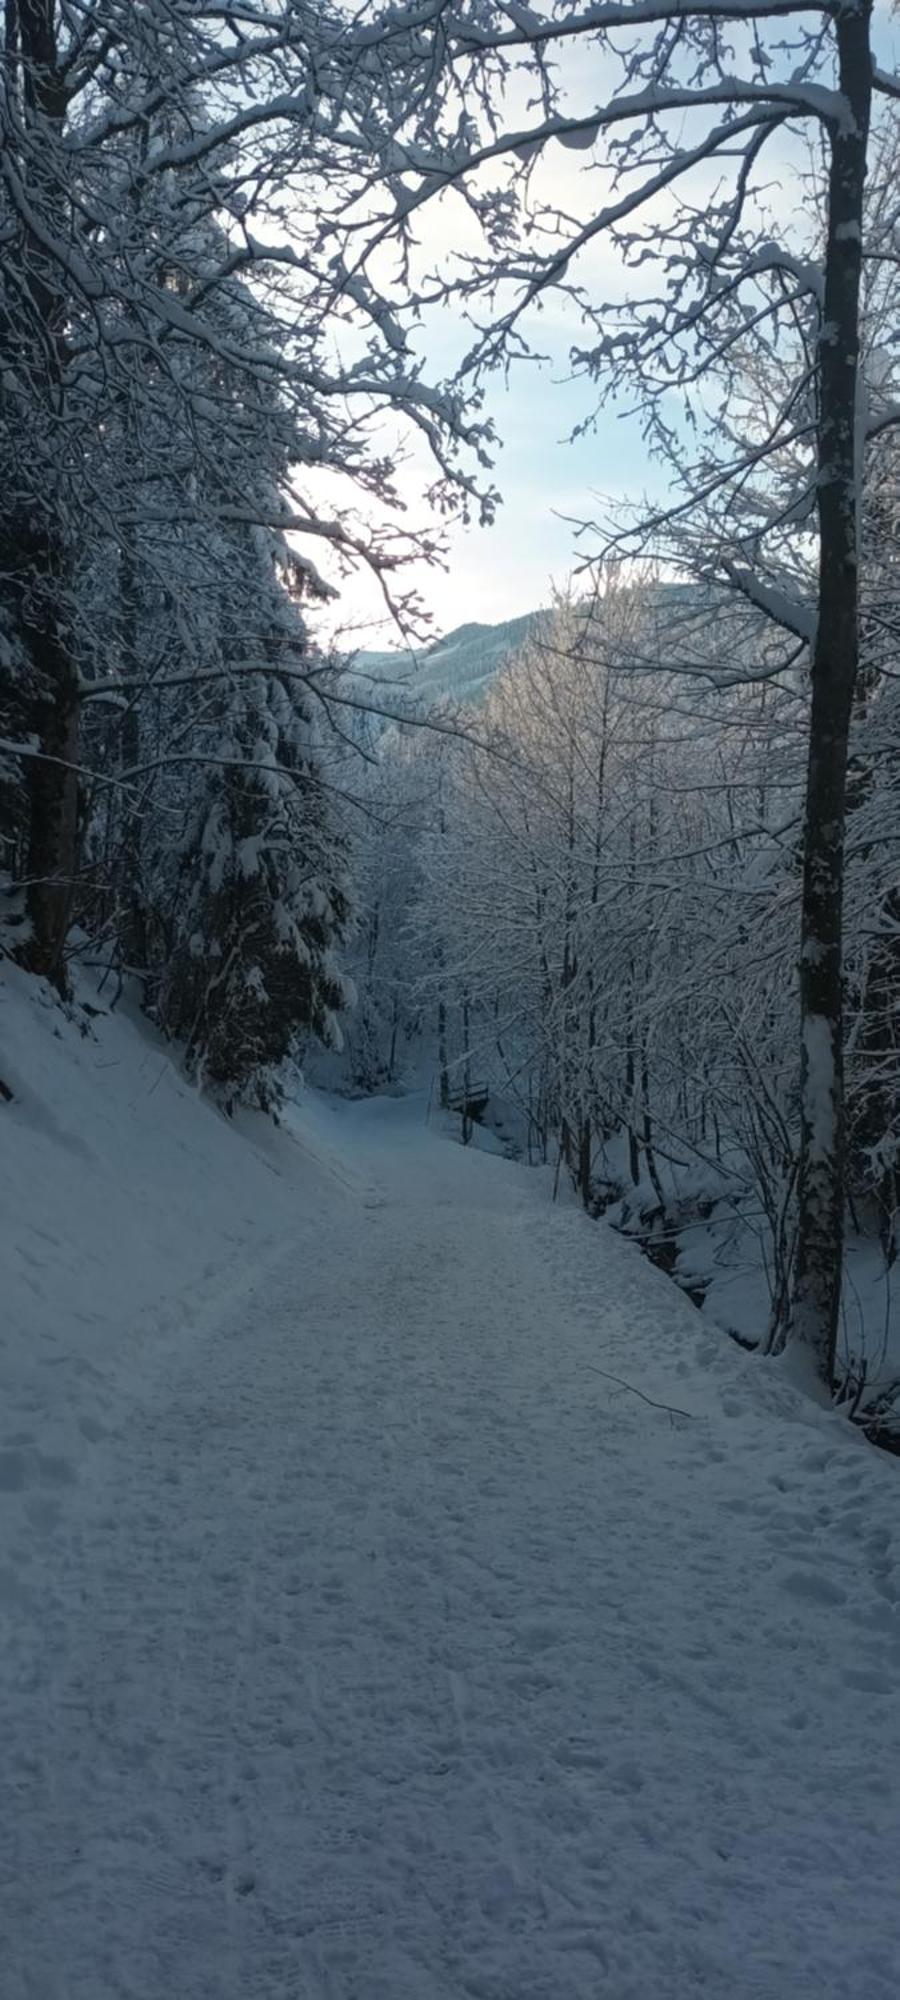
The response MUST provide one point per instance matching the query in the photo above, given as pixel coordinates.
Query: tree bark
(443, 1066)
(52, 802)
(38, 586)
(815, 1306)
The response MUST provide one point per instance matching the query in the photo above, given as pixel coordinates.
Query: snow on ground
(361, 1639)
(130, 1209)
(723, 1250)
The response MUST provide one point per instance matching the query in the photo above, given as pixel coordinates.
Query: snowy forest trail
(392, 1652)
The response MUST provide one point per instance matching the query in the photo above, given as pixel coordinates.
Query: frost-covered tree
(215, 858)
(150, 158)
(396, 800)
(251, 906)
(685, 111)
(607, 910)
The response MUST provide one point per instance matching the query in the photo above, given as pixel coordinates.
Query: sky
(548, 482)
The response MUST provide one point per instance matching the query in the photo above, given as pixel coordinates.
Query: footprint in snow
(814, 1588)
(12, 1471)
(868, 1680)
(28, 1467)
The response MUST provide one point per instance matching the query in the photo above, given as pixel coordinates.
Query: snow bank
(404, 1592)
(130, 1208)
(721, 1247)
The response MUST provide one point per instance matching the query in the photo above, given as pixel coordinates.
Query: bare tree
(687, 110)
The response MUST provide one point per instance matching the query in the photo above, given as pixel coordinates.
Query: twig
(670, 1408)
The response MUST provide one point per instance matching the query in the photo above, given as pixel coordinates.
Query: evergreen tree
(252, 906)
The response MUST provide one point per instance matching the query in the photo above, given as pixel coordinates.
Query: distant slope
(459, 667)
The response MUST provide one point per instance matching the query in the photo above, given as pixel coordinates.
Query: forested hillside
(459, 667)
(587, 901)
(637, 858)
(449, 1069)
(171, 394)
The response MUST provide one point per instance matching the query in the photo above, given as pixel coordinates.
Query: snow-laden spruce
(184, 365)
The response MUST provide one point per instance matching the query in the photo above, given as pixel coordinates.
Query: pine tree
(251, 909)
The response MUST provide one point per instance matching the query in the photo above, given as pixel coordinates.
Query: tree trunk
(815, 1305)
(131, 915)
(443, 1060)
(52, 802)
(467, 1071)
(39, 585)
(585, 1150)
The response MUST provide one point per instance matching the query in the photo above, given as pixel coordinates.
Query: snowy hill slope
(458, 667)
(130, 1208)
(402, 1593)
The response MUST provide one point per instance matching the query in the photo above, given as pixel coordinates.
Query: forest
(643, 885)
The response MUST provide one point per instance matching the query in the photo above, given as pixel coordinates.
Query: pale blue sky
(499, 572)
(510, 567)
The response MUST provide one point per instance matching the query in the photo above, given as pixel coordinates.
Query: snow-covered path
(388, 1651)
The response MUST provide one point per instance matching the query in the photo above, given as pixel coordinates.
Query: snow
(722, 1247)
(129, 1205)
(365, 1637)
(818, 1090)
(458, 667)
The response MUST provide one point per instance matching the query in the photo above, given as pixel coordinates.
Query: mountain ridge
(460, 665)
